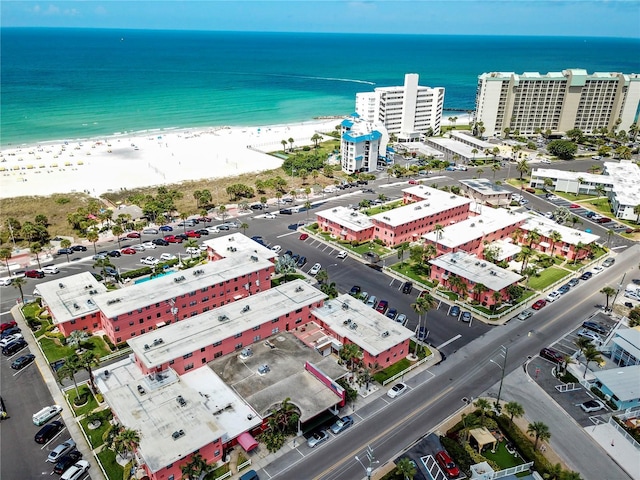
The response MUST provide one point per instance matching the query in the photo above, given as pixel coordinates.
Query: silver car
(317, 438)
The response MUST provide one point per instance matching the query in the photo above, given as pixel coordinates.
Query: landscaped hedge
(140, 272)
(109, 343)
(601, 395)
(524, 445)
(459, 453)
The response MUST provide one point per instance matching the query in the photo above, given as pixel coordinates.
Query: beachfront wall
(412, 230)
(234, 343)
(210, 453)
(443, 276)
(144, 319)
(86, 323)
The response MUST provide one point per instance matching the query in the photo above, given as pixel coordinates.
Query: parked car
(47, 432)
(597, 270)
(149, 246)
(447, 465)
(466, 317)
(204, 219)
(193, 251)
(14, 347)
(76, 471)
(342, 254)
(525, 314)
(564, 289)
(128, 251)
(65, 251)
(592, 406)
(596, 327)
(382, 306)
(341, 425)
(553, 296)
(591, 335)
(539, 304)
(172, 239)
(166, 228)
(301, 262)
(10, 331)
(372, 301)
(573, 282)
(213, 230)
(304, 236)
(192, 234)
(574, 205)
(50, 269)
(276, 248)
(110, 271)
(60, 450)
(355, 290)
(392, 313)
(317, 438)
(270, 215)
(160, 242)
(167, 256)
(586, 276)
(9, 338)
(203, 231)
(6, 325)
(608, 262)
(455, 311)
(315, 269)
(34, 274)
(114, 253)
(397, 390)
(45, 414)
(150, 231)
(604, 220)
(152, 261)
(22, 361)
(138, 248)
(401, 319)
(133, 235)
(79, 248)
(66, 461)
(407, 287)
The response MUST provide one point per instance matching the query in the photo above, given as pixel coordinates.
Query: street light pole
(372, 461)
(503, 350)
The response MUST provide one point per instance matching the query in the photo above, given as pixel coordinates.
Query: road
(438, 393)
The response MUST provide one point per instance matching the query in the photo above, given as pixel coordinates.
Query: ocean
(62, 84)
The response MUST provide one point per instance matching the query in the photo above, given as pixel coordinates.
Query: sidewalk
(73, 427)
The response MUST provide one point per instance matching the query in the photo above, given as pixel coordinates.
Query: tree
(322, 276)
(423, 304)
(540, 431)
(284, 146)
(18, 283)
(523, 168)
(514, 409)
(315, 139)
(194, 467)
(190, 244)
(69, 369)
(495, 168)
(484, 406)
(66, 243)
(88, 360)
(636, 211)
(5, 254)
(563, 149)
(244, 226)
(478, 290)
(438, 230)
(582, 343)
(591, 354)
(93, 237)
(349, 353)
(127, 441)
(117, 230)
(291, 143)
(403, 247)
(222, 212)
(600, 190)
(406, 468)
(555, 237)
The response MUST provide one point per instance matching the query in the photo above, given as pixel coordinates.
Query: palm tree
(555, 237)
(591, 354)
(5, 254)
(514, 409)
(88, 360)
(525, 253)
(608, 292)
(600, 190)
(478, 290)
(610, 233)
(349, 353)
(484, 406)
(222, 211)
(523, 168)
(474, 151)
(93, 237)
(66, 243)
(194, 467)
(574, 219)
(582, 343)
(438, 229)
(183, 217)
(422, 305)
(566, 361)
(37, 249)
(69, 369)
(315, 139)
(117, 230)
(406, 468)
(403, 247)
(291, 143)
(244, 227)
(284, 146)
(540, 431)
(307, 207)
(322, 276)
(127, 441)
(18, 283)
(495, 168)
(636, 211)
(191, 243)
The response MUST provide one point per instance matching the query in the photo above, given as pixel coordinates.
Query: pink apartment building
(556, 239)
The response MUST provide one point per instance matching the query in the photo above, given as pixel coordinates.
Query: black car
(256, 206)
(596, 327)
(288, 252)
(586, 276)
(295, 258)
(49, 431)
(65, 251)
(14, 347)
(66, 461)
(355, 290)
(183, 236)
(114, 253)
(256, 238)
(10, 331)
(203, 231)
(160, 241)
(300, 263)
(79, 248)
(21, 362)
(407, 287)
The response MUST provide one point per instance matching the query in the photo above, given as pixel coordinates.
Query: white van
(47, 413)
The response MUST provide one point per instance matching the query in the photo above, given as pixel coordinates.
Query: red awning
(247, 441)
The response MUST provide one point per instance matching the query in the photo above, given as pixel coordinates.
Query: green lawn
(547, 277)
(502, 457)
(95, 436)
(54, 351)
(108, 460)
(383, 208)
(91, 404)
(450, 295)
(573, 197)
(391, 370)
(369, 247)
(414, 271)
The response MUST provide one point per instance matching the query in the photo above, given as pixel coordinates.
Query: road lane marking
(451, 340)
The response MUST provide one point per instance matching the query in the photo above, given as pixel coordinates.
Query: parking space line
(451, 340)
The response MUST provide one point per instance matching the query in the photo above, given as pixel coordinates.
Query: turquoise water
(77, 83)
(146, 279)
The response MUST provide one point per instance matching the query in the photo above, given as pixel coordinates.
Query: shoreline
(147, 158)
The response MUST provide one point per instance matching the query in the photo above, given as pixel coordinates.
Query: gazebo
(483, 437)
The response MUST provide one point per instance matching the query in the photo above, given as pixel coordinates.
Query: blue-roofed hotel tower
(361, 144)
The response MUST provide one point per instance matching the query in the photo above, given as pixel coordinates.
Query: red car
(193, 234)
(574, 205)
(447, 465)
(128, 251)
(204, 219)
(304, 236)
(34, 274)
(539, 304)
(382, 306)
(173, 239)
(133, 235)
(413, 182)
(7, 325)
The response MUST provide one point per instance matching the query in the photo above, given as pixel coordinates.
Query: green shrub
(140, 272)
(109, 343)
(121, 345)
(458, 453)
(479, 458)
(601, 395)
(524, 445)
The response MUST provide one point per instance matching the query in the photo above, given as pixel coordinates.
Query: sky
(583, 18)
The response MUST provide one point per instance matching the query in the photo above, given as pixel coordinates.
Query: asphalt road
(438, 393)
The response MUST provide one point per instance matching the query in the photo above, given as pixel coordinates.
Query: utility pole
(372, 461)
(503, 351)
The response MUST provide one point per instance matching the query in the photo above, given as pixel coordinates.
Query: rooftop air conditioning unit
(385, 334)
(246, 308)
(473, 224)
(345, 306)
(146, 346)
(483, 264)
(222, 318)
(61, 285)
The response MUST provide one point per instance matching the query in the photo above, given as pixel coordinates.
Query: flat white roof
(545, 226)
(470, 267)
(436, 201)
(237, 244)
(189, 335)
(362, 325)
(71, 297)
(480, 144)
(489, 221)
(626, 181)
(506, 248)
(175, 415)
(567, 175)
(458, 147)
(346, 217)
(623, 382)
(485, 187)
(182, 282)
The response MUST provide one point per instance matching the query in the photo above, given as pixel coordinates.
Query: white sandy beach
(149, 158)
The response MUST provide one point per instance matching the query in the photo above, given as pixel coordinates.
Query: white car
(152, 261)
(592, 406)
(276, 248)
(193, 251)
(553, 296)
(213, 230)
(203, 247)
(548, 215)
(138, 248)
(76, 471)
(270, 215)
(597, 270)
(593, 336)
(545, 160)
(397, 390)
(525, 314)
(6, 281)
(315, 269)
(167, 256)
(50, 269)
(149, 245)
(7, 340)
(342, 254)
